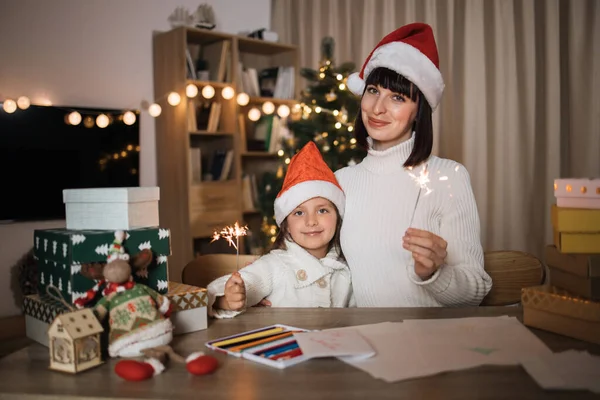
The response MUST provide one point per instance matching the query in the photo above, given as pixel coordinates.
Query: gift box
(577, 273)
(60, 254)
(189, 307)
(111, 208)
(581, 243)
(575, 220)
(39, 312)
(556, 310)
(577, 193)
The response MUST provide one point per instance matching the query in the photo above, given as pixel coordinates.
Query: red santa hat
(308, 176)
(410, 51)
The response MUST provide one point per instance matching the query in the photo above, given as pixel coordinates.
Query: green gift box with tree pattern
(72, 260)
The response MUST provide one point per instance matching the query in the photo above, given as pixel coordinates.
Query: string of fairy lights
(207, 91)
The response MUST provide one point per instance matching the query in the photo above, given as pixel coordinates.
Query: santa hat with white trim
(308, 176)
(410, 51)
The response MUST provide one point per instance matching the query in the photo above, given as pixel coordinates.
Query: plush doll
(138, 318)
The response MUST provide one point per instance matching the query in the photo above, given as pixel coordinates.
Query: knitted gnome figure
(139, 322)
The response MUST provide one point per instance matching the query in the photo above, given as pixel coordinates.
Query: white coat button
(301, 275)
(322, 283)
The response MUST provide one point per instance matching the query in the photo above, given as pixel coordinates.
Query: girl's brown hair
(284, 234)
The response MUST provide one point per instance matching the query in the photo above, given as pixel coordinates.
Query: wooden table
(24, 374)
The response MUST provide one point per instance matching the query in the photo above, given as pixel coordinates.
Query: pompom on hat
(308, 176)
(410, 51)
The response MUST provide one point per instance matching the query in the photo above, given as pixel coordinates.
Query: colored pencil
(280, 349)
(244, 338)
(258, 342)
(287, 354)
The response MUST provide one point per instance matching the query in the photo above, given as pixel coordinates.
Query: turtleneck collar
(390, 160)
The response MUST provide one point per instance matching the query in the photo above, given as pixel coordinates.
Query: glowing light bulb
(23, 102)
(339, 77)
(154, 110)
(254, 114)
(129, 118)
(208, 92)
(102, 121)
(9, 106)
(268, 107)
(227, 93)
(243, 99)
(342, 86)
(191, 90)
(174, 99)
(74, 118)
(283, 111)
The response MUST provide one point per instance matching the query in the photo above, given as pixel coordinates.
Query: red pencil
(288, 354)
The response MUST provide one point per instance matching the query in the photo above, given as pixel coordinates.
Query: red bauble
(132, 370)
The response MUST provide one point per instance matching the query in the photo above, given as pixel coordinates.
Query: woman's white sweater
(380, 198)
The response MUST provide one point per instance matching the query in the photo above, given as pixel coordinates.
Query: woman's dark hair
(423, 127)
(284, 234)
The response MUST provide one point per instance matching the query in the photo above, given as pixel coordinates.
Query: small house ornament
(74, 341)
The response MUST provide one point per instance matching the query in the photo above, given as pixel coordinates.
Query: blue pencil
(280, 349)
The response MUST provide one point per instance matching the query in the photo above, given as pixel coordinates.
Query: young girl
(411, 230)
(306, 267)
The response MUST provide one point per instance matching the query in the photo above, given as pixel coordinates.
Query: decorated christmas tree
(325, 115)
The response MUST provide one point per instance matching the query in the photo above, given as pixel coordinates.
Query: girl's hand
(234, 298)
(263, 303)
(428, 250)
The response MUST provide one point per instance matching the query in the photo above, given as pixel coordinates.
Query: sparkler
(229, 233)
(422, 180)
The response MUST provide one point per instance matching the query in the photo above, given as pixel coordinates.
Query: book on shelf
(268, 133)
(195, 165)
(275, 82)
(220, 165)
(212, 60)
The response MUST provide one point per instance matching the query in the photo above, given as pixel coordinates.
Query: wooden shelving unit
(192, 210)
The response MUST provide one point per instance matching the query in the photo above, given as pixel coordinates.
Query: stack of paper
(574, 370)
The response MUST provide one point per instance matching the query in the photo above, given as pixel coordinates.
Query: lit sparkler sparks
(230, 233)
(422, 180)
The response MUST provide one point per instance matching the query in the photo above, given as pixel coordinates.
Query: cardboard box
(581, 243)
(60, 254)
(582, 265)
(588, 288)
(555, 310)
(575, 220)
(112, 208)
(577, 193)
(189, 312)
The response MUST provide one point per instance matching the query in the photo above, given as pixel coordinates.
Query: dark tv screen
(41, 154)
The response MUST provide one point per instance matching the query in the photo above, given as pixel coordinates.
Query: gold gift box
(556, 310)
(186, 297)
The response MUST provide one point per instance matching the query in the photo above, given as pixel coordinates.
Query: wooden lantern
(74, 341)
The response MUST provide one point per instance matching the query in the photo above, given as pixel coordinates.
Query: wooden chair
(510, 272)
(206, 268)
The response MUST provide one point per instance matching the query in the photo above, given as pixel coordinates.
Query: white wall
(93, 53)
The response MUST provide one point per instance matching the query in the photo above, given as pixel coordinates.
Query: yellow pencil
(261, 341)
(247, 337)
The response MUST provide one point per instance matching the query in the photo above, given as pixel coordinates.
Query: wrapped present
(556, 310)
(39, 312)
(111, 208)
(575, 220)
(189, 307)
(577, 193)
(588, 288)
(577, 243)
(61, 253)
(577, 273)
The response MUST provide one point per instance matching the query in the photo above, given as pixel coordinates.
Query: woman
(411, 233)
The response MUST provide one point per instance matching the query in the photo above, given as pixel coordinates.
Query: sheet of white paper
(566, 370)
(417, 348)
(333, 342)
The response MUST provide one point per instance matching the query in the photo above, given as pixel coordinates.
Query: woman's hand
(234, 298)
(428, 250)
